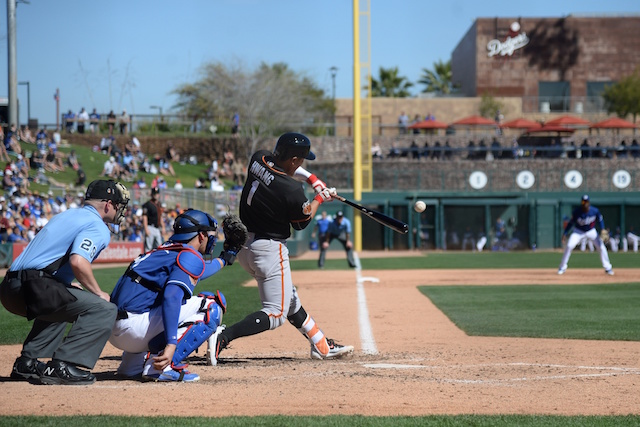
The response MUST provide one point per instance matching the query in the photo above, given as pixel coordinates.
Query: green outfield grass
(462, 260)
(592, 312)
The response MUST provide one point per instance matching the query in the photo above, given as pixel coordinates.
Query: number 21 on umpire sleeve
(254, 186)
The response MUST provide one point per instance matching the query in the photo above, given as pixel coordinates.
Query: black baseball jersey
(272, 202)
(153, 213)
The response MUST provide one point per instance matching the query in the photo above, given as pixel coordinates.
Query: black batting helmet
(293, 144)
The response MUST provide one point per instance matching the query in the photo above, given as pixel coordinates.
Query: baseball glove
(604, 236)
(235, 236)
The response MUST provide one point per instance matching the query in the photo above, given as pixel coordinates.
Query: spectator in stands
(124, 122)
(471, 150)
(468, 239)
(171, 154)
(178, 185)
(83, 119)
(376, 151)
(482, 150)
(403, 123)
(24, 135)
(165, 168)
(425, 150)
(415, 151)
(622, 150)
(235, 123)
(4, 155)
(416, 119)
(394, 151)
(11, 143)
(72, 160)
(111, 168)
(634, 149)
(111, 121)
(53, 163)
(7, 182)
(585, 150)
(496, 149)
(81, 177)
(436, 152)
(133, 146)
(448, 151)
(69, 120)
(94, 122)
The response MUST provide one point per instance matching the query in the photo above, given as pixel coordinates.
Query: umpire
(339, 228)
(38, 286)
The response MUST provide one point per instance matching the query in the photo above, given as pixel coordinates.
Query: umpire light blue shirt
(335, 228)
(81, 229)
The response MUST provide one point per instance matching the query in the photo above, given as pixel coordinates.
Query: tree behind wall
(390, 84)
(623, 97)
(270, 100)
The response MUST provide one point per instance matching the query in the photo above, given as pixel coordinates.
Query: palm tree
(439, 79)
(390, 84)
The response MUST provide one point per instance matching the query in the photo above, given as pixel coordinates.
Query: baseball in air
(419, 206)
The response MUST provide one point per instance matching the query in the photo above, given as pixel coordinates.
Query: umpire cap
(293, 144)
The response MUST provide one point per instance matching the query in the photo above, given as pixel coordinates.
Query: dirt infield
(410, 360)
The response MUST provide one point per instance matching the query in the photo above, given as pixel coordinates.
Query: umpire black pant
(349, 251)
(92, 320)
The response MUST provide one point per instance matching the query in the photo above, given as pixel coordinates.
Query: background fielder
(583, 221)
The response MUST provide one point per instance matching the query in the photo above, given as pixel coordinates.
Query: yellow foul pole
(357, 128)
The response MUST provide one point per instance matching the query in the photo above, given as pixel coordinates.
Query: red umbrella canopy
(429, 124)
(550, 128)
(521, 124)
(474, 121)
(568, 121)
(614, 123)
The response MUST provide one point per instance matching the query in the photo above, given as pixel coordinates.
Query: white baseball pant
(592, 236)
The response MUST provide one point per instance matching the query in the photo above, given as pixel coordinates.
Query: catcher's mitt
(235, 235)
(604, 236)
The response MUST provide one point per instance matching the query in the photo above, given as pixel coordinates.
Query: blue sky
(130, 54)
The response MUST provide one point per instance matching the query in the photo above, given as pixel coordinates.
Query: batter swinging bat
(383, 219)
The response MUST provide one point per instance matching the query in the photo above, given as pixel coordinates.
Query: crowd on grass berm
(24, 212)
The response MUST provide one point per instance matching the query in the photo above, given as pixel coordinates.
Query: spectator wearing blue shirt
(94, 121)
(69, 119)
(339, 228)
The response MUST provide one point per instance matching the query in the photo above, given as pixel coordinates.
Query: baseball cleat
(335, 350)
(25, 368)
(169, 375)
(63, 373)
(215, 346)
(561, 271)
(609, 272)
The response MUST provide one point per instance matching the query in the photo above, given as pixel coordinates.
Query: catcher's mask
(114, 191)
(191, 222)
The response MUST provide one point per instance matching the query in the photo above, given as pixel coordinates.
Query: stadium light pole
(28, 101)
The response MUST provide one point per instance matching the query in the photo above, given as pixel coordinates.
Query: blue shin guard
(213, 307)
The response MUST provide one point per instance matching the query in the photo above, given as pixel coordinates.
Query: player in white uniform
(583, 221)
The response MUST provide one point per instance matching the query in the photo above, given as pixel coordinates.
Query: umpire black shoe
(59, 372)
(26, 368)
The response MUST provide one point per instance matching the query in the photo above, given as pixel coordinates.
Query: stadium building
(554, 64)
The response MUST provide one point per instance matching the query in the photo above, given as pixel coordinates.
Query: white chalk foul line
(614, 371)
(367, 340)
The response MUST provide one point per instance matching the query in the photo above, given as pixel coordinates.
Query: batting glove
(326, 195)
(316, 183)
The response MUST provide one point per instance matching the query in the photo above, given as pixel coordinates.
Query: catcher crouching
(161, 320)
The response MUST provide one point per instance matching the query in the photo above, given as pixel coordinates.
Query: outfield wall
(532, 220)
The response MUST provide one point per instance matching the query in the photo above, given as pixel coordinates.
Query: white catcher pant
(134, 333)
(592, 236)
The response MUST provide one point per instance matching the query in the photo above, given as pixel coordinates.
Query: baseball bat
(383, 219)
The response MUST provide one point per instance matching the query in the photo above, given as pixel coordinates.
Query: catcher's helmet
(191, 222)
(293, 144)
